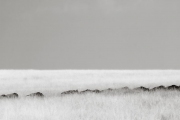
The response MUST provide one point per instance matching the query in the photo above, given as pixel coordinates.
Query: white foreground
(136, 106)
(117, 106)
(53, 82)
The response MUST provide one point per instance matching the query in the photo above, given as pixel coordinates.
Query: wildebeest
(158, 88)
(90, 91)
(13, 95)
(125, 88)
(85, 91)
(142, 88)
(96, 91)
(173, 87)
(70, 92)
(107, 90)
(110, 89)
(38, 94)
(3, 96)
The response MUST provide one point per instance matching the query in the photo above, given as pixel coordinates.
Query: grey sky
(89, 34)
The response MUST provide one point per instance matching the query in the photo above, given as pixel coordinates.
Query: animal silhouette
(38, 95)
(141, 88)
(125, 88)
(173, 87)
(13, 95)
(70, 92)
(2, 96)
(158, 88)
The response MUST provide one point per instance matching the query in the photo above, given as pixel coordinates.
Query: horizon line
(95, 69)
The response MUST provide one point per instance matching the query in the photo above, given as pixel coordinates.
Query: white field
(117, 106)
(53, 82)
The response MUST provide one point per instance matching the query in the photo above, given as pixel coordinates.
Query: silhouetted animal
(142, 88)
(125, 88)
(158, 88)
(90, 91)
(110, 89)
(96, 91)
(85, 91)
(173, 87)
(3, 96)
(70, 92)
(107, 90)
(13, 95)
(38, 94)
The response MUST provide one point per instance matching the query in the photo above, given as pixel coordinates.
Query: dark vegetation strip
(141, 88)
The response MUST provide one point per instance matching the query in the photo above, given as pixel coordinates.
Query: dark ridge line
(141, 88)
(12, 95)
(15, 95)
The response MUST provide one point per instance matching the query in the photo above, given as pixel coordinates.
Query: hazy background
(89, 34)
(53, 82)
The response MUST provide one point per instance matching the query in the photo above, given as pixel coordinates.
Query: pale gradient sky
(89, 34)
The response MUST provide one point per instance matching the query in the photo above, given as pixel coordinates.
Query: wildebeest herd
(15, 95)
(141, 88)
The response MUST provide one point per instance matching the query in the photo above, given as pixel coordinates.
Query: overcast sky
(89, 34)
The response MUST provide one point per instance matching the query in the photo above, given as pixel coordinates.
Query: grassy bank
(118, 106)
